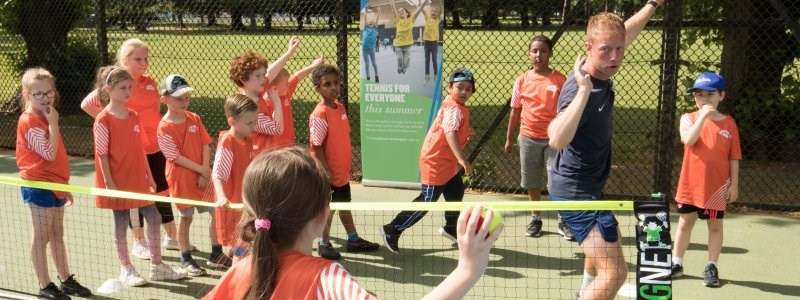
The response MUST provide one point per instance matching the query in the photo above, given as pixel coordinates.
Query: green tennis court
(758, 256)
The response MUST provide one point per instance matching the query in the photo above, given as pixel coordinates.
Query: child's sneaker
(711, 276)
(163, 272)
(129, 277)
(192, 268)
(362, 245)
(169, 243)
(677, 270)
(51, 291)
(534, 228)
(390, 238)
(219, 260)
(326, 251)
(72, 287)
(449, 234)
(140, 250)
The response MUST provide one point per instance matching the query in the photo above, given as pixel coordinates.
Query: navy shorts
(40, 197)
(341, 193)
(581, 222)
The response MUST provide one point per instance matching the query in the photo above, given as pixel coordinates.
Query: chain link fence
(754, 44)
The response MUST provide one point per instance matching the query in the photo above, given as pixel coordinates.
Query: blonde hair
(604, 22)
(36, 74)
(108, 76)
(125, 50)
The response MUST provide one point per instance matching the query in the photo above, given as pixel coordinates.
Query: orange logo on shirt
(725, 133)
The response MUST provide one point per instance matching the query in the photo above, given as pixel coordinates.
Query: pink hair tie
(263, 224)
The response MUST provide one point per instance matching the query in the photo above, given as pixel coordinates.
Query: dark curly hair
(323, 70)
(243, 65)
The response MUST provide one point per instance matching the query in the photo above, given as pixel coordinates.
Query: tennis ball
(497, 219)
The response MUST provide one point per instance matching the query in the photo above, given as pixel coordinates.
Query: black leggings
(158, 164)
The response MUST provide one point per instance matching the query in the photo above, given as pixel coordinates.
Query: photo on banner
(401, 86)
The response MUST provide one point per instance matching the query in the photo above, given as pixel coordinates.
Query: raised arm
(310, 68)
(394, 10)
(636, 23)
(88, 104)
(377, 16)
(419, 9)
(276, 66)
(562, 128)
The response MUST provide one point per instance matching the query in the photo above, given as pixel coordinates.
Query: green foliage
(482, 173)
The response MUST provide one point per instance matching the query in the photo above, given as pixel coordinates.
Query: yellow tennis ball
(497, 219)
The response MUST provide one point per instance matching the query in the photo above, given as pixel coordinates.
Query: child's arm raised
(419, 9)
(52, 119)
(276, 66)
(89, 104)
(690, 132)
(277, 113)
(310, 68)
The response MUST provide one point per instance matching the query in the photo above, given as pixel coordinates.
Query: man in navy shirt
(582, 134)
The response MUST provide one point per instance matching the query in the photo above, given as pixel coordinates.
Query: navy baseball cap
(708, 81)
(462, 74)
(175, 85)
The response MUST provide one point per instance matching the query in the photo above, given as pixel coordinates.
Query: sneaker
(448, 234)
(362, 245)
(377, 80)
(192, 268)
(129, 277)
(72, 287)
(51, 291)
(326, 251)
(677, 270)
(219, 260)
(711, 276)
(564, 230)
(390, 238)
(163, 272)
(534, 228)
(172, 244)
(140, 250)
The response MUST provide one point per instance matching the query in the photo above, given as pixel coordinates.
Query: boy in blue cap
(710, 173)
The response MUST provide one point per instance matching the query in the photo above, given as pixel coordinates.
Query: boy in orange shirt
(533, 105)
(286, 85)
(234, 153)
(710, 173)
(442, 153)
(330, 143)
(184, 141)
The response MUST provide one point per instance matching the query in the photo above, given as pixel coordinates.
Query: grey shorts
(535, 156)
(189, 212)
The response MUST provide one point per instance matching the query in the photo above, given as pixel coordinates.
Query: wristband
(653, 3)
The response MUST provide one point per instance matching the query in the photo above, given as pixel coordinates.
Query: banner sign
(654, 244)
(401, 60)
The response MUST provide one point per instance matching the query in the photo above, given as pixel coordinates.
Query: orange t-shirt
(183, 139)
(144, 100)
(232, 158)
(287, 138)
(299, 277)
(33, 147)
(330, 128)
(705, 174)
(537, 96)
(122, 142)
(437, 163)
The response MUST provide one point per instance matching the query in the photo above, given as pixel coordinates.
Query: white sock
(677, 260)
(587, 279)
(711, 262)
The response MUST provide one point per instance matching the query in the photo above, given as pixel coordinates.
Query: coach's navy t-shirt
(580, 169)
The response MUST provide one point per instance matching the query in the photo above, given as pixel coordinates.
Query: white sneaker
(164, 272)
(172, 244)
(129, 277)
(140, 250)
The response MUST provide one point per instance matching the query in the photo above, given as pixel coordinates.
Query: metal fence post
(341, 51)
(669, 98)
(102, 35)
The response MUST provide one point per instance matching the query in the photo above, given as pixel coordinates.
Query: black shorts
(341, 193)
(702, 213)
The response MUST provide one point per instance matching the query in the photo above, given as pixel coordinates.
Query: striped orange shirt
(33, 153)
(183, 139)
(437, 163)
(330, 128)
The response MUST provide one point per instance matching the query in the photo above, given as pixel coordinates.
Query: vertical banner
(401, 61)
(654, 262)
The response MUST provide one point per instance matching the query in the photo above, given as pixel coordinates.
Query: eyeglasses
(177, 82)
(40, 95)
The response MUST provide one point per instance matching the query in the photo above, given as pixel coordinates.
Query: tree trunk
(331, 22)
(123, 19)
(755, 50)
(267, 21)
(179, 14)
(253, 22)
(524, 18)
(142, 19)
(490, 17)
(236, 19)
(566, 10)
(456, 19)
(212, 19)
(300, 22)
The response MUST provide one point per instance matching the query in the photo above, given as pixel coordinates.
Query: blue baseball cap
(708, 81)
(462, 74)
